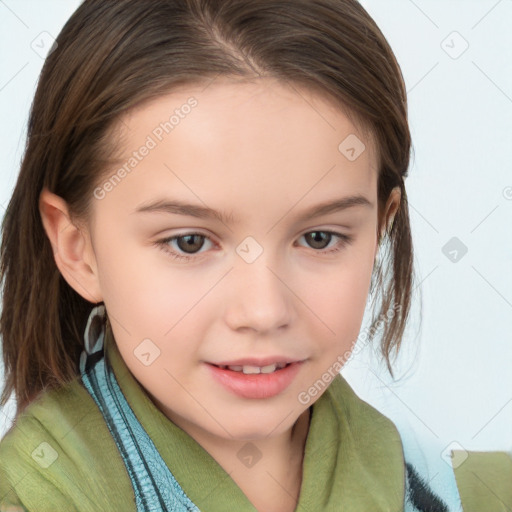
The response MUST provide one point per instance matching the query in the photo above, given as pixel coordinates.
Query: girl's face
(245, 270)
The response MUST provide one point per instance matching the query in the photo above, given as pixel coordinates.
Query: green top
(484, 481)
(60, 455)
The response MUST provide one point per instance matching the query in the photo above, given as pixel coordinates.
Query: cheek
(151, 295)
(340, 299)
(140, 285)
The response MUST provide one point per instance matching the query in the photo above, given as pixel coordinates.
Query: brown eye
(317, 239)
(320, 241)
(184, 247)
(190, 243)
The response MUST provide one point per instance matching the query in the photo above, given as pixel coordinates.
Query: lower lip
(261, 385)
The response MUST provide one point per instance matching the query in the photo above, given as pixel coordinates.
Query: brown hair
(112, 56)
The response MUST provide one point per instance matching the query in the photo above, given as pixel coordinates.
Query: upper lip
(259, 362)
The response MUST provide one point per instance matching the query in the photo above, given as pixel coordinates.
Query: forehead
(247, 104)
(236, 140)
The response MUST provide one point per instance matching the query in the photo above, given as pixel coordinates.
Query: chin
(255, 427)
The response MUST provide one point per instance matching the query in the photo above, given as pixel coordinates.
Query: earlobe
(71, 249)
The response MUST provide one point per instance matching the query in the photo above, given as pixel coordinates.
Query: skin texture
(263, 153)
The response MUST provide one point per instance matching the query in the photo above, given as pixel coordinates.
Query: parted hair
(112, 56)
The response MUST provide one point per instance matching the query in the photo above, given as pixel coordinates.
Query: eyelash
(344, 240)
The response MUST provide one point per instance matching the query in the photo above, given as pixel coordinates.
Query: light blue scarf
(155, 487)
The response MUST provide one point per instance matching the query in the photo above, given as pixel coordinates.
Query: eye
(318, 239)
(188, 244)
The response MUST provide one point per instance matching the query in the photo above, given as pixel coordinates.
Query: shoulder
(375, 439)
(389, 450)
(484, 480)
(365, 421)
(60, 455)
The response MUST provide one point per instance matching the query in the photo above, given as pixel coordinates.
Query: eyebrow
(203, 212)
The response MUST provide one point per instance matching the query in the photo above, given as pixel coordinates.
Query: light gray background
(456, 385)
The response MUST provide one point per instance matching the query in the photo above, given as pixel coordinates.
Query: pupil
(315, 234)
(189, 242)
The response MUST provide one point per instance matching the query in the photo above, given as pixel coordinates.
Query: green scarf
(353, 454)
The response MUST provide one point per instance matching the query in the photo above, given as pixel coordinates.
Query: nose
(259, 297)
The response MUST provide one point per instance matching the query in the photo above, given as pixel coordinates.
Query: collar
(353, 454)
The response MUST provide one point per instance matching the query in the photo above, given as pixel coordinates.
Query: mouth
(256, 382)
(254, 370)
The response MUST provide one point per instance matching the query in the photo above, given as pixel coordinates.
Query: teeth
(252, 370)
(268, 369)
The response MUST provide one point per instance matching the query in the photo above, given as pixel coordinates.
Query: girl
(154, 375)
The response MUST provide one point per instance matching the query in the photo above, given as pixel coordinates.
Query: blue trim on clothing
(155, 488)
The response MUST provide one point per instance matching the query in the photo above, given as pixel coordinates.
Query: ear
(392, 206)
(72, 249)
